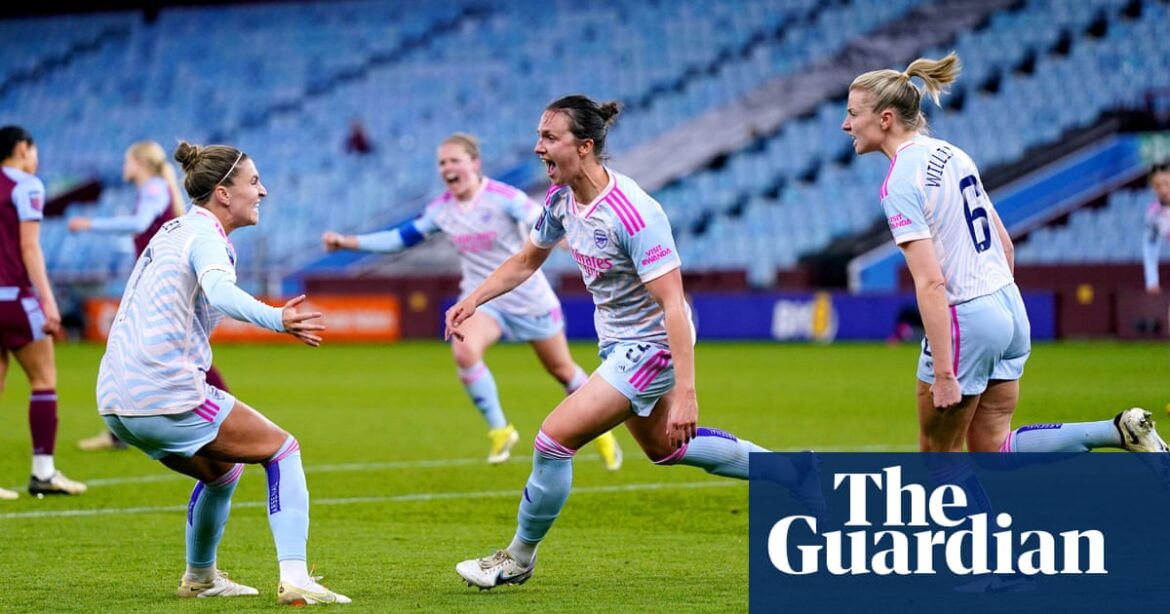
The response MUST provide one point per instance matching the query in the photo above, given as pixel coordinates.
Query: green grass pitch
(393, 453)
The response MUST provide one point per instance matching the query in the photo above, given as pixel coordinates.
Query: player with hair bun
(158, 201)
(152, 390)
(622, 242)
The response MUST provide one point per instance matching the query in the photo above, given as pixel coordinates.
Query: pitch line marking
(408, 498)
(435, 464)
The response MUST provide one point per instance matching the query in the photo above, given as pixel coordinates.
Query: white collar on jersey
(915, 140)
(202, 211)
(16, 174)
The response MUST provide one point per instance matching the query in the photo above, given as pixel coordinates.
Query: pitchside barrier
(348, 318)
(804, 316)
(821, 317)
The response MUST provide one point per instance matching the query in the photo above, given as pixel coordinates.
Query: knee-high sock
(481, 389)
(288, 501)
(42, 425)
(544, 495)
(1067, 437)
(42, 420)
(579, 379)
(207, 513)
(719, 453)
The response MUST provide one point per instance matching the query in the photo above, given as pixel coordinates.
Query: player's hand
(682, 420)
(945, 392)
(456, 315)
(80, 224)
(52, 325)
(1153, 290)
(302, 324)
(333, 241)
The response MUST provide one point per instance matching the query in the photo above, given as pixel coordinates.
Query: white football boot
(495, 570)
(220, 586)
(1137, 431)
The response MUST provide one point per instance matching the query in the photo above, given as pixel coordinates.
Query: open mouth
(550, 166)
(451, 178)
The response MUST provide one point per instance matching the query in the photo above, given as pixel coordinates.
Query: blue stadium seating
(284, 82)
(1112, 234)
(994, 128)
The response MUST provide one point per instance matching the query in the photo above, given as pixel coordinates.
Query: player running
(486, 220)
(622, 243)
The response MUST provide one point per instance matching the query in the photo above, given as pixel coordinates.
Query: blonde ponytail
(894, 90)
(152, 156)
(168, 175)
(936, 75)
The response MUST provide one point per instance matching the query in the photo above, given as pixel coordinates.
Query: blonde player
(960, 256)
(486, 222)
(152, 390)
(158, 201)
(28, 311)
(622, 243)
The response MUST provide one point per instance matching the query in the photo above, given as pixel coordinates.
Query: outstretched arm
(223, 294)
(153, 201)
(120, 224)
(513, 272)
(403, 236)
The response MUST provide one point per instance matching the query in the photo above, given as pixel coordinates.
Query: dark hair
(1160, 167)
(10, 136)
(207, 167)
(588, 119)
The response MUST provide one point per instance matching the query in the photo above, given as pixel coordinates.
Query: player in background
(487, 222)
(158, 201)
(152, 391)
(622, 243)
(28, 312)
(1157, 225)
(961, 259)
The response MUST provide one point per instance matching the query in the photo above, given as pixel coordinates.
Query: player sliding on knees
(486, 221)
(152, 390)
(622, 243)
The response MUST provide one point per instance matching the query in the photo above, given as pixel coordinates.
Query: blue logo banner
(849, 532)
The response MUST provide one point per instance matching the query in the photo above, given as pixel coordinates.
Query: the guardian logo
(920, 534)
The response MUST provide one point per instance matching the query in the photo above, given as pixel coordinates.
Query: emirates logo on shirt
(592, 266)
